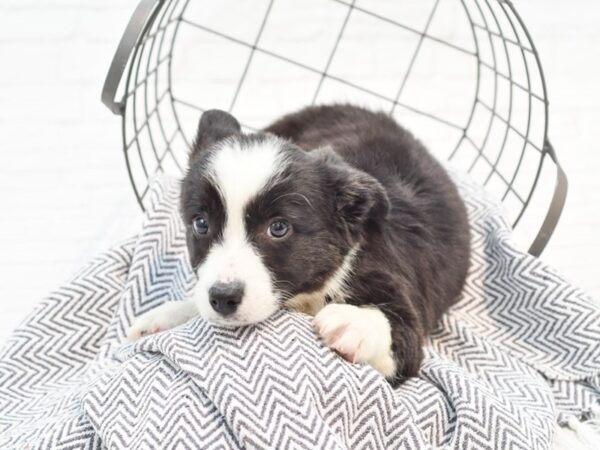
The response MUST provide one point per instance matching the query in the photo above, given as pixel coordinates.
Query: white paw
(359, 335)
(166, 316)
(146, 324)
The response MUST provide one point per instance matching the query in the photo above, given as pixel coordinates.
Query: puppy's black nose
(226, 297)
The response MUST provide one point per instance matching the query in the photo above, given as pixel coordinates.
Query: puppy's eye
(278, 229)
(200, 224)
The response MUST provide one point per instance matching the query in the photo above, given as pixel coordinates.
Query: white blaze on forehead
(240, 172)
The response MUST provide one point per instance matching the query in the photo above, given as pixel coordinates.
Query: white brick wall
(567, 35)
(63, 187)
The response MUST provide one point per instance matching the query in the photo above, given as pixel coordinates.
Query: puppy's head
(267, 221)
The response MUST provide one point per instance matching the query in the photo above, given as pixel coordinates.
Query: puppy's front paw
(144, 325)
(165, 317)
(360, 335)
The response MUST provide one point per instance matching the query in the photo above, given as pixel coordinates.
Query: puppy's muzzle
(226, 297)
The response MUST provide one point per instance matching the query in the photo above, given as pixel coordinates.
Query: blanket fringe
(579, 433)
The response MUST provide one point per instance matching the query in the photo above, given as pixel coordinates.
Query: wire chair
(464, 76)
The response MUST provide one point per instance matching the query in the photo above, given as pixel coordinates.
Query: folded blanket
(518, 353)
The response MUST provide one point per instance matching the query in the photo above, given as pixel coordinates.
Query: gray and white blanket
(518, 353)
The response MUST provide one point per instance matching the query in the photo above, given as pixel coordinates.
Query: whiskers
(283, 296)
(281, 293)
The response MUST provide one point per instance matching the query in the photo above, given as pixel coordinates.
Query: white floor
(64, 189)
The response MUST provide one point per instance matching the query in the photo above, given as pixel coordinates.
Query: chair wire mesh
(464, 76)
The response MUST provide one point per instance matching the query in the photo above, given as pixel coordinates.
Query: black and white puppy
(335, 211)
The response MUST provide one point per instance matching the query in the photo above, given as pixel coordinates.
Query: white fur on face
(240, 174)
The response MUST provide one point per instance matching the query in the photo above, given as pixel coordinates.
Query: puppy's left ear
(215, 125)
(359, 197)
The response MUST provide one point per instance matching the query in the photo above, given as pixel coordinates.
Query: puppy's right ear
(214, 126)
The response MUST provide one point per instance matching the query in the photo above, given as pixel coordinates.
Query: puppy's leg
(166, 316)
(359, 334)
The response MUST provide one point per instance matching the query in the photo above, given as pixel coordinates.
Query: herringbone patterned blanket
(519, 352)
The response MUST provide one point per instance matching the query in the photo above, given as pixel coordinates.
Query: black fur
(354, 177)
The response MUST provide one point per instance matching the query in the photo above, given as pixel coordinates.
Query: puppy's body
(375, 237)
(413, 262)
